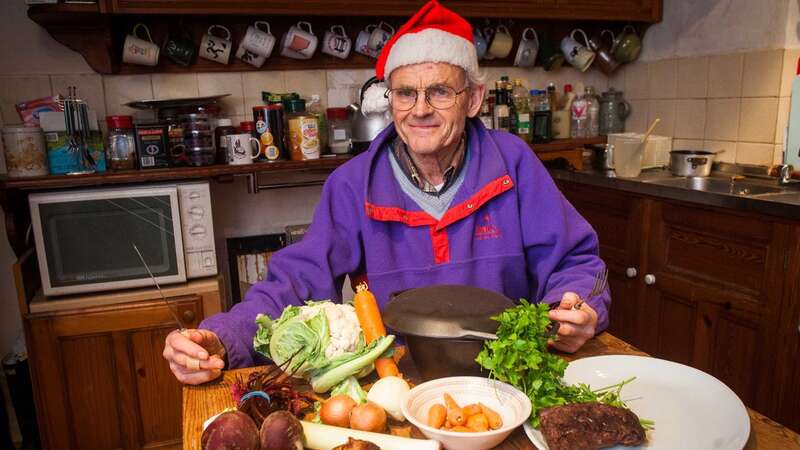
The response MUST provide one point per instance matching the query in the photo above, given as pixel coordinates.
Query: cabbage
(327, 339)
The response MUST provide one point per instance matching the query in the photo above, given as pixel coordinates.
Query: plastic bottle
(314, 107)
(593, 112)
(522, 111)
(579, 123)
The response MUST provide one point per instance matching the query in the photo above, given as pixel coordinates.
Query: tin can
(25, 152)
(269, 131)
(151, 146)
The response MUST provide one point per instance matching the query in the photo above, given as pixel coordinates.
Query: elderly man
(437, 199)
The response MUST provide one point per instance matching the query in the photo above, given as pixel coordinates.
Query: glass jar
(303, 132)
(198, 139)
(224, 128)
(121, 143)
(338, 131)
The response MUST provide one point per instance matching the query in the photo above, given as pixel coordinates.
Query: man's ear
(476, 94)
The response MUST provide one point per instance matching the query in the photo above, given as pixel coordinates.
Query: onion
(336, 411)
(368, 417)
(281, 431)
(387, 393)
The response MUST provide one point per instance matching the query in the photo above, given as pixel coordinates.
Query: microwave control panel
(198, 229)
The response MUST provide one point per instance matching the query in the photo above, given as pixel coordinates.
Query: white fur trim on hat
(432, 45)
(374, 100)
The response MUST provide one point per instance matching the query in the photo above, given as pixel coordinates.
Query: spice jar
(121, 142)
(303, 132)
(224, 128)
(338, 130)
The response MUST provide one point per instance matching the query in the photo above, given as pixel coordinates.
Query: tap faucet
(787, 175)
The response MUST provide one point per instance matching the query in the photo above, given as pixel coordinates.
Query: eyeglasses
(437, 96)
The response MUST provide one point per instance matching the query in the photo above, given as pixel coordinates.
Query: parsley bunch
(519, 357)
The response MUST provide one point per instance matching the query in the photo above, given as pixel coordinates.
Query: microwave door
(86, 241)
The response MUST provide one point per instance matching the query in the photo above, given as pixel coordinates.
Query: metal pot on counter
(691, 163)
(365, 127)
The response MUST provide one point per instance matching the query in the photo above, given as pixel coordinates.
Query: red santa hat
(433, 34)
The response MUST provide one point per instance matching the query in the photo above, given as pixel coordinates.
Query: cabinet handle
(631, 272)
(649, 279)
(188, 316)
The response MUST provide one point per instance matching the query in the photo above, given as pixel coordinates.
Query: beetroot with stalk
(233, 430)
(281, 431)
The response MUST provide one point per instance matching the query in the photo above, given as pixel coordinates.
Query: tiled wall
(737, 102)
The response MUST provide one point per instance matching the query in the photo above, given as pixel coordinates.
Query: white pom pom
(374, 100)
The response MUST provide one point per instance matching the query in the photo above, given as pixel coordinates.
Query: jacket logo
(486, 229)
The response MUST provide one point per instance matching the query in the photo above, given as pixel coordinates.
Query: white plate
(691, 408)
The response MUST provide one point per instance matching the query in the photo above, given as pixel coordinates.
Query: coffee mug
(480, 43)
(258, 39)
(380, 36)
(575, 53)
(604, 61)
(501, 42)
(216, 48)
(179, 47)
(336, 43)
(362, 42)
(527, 50)
(298, 43)
(250, 58)
(237, 148)
(627, 45)
(140, 51)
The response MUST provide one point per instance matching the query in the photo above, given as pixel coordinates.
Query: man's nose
(421, 108)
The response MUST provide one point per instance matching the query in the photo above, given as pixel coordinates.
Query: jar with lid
(198, 139)
(121, 142)
(224, 128)
(303, 132)
(613, 112)
(338, 131)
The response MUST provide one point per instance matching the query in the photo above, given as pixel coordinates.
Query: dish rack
(656, 153)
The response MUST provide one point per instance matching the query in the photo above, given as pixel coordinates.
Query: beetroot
(233, 430)
(281, 431)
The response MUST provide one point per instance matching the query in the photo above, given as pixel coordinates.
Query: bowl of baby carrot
(466, 413)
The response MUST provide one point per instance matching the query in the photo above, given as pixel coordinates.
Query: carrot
(437, 416)
(471, 409)
(461, 429)
(495, 421)
(454, 412)
(478, 422)
(369, 317)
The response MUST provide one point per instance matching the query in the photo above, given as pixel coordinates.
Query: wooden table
(201, 402)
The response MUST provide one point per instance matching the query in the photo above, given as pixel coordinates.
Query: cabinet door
(100, 380)
(617, 218)
(640, 10)
(787, 371)
(712, 295)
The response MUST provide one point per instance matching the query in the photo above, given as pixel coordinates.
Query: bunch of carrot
(369, 317)
(474, 417)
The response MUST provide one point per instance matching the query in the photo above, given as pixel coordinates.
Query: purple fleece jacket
(508, 229)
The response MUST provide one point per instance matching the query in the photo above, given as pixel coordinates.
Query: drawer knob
(649, 279)
(631, 272)
(188, 316)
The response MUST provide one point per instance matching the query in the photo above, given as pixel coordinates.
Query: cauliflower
(344, 329)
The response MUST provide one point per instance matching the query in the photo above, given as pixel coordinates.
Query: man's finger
(578, 317)
(182, 344)
(187, 376)
(568, 300)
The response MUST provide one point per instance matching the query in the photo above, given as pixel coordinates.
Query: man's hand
(194, 356)
(577, 325)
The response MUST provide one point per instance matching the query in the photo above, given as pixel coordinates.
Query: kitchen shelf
(567, 144)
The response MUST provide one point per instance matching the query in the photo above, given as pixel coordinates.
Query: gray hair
(473, 78)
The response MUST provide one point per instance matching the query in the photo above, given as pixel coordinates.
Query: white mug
(362, 42)
(336, 43)
(576, 53)
(258, 41)
(380, 35)
(298, 43)
(140, 51)
(501, 42)
(527, 50)
(237, 148)
(250, 58)
(216, 48)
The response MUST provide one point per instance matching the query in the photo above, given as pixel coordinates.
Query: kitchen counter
(202, 402)
(742, 195)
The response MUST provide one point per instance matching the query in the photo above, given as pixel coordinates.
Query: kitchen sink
(718, 185)
(792, 197)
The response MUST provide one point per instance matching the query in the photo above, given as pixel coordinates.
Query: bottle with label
(542, 117)
(579, 123)
(552, 95)
(502, 121)
(593, 112)
(303, 132)
(314, 107)
(224, 128)
(486, 114)
(560, 127)
(522, 111)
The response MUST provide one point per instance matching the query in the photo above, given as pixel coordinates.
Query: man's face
(424, 129)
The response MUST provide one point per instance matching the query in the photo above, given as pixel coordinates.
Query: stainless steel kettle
(365, 127)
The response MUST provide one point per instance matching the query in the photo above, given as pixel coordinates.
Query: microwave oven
(85, 238)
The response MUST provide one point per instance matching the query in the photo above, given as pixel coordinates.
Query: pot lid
(693, 152)
(417, 311)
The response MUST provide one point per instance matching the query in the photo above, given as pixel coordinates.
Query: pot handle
(697, 161)
(625, 111)
(609, 151)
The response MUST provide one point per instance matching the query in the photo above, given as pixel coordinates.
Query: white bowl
(512, 404)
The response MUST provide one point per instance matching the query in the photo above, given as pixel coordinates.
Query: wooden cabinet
(99, 378)
(714, 289)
